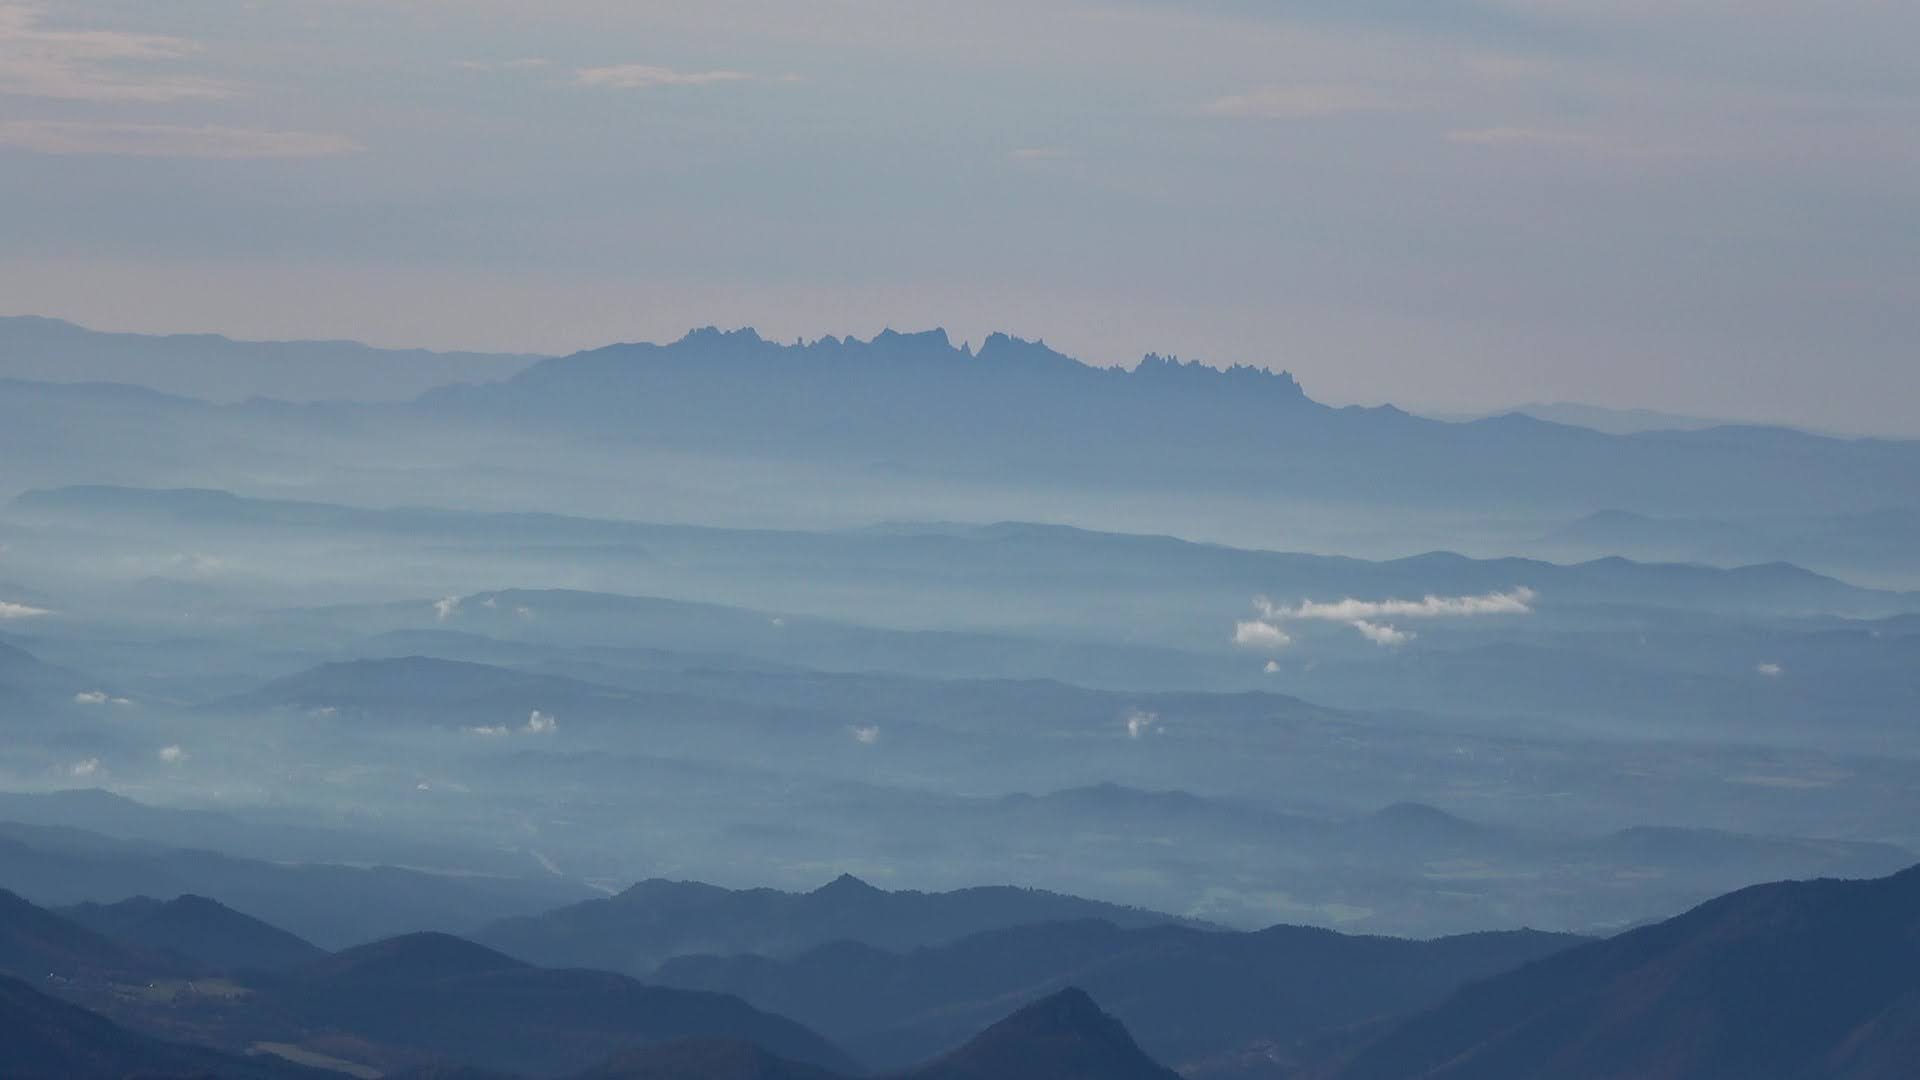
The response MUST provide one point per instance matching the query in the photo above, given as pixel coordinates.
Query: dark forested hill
(1809, 979)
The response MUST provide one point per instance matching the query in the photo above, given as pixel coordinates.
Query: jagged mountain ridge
(916, 404)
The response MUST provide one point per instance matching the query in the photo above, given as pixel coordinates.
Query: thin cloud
(11, 610)
(1291, 102)
(1381, 633)
(647, 76)
(1368, 616)
(84, 768)
(1517, 601)
(169, 140)
(172, 755)
(1771, 670)
(1139, 722)
(867, 734)
(92, 65)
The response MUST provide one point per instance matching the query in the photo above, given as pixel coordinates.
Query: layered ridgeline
(914, 417)
(917, 402)
(216, 368)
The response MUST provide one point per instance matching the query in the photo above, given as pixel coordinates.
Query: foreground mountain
(42, 1038)
(1064, 1036)
(207, 932)
(1187, 995)
(656, 920)
(428, 996)
(1813, 979)
(38, 944)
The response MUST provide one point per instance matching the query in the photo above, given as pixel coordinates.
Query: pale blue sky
(1711, 207)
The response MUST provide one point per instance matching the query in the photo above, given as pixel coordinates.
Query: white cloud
(541, 724)
(497, 731)
(1381, 633)
(1367, 616)
(646, 76)
(90, 697)
(1518, 601)
(11, 610)
(172, 755)
(1282, 102)
(92, 65)
(1139, 722)
(445, 607)
(1272, 668)
(1771, 670)
(85, 768)
(1258, 634)
(168, 140)
(866, 733)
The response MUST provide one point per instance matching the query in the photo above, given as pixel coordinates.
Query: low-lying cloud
(1369, 617)
(1139, 722)
(11, 610)
(99, 697)
(647, 76)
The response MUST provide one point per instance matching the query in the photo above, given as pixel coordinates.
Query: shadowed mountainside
(1788, 980)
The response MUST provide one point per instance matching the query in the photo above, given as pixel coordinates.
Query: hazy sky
(1708, 206)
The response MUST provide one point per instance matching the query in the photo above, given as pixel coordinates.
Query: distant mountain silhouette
(655, 920)
(1787, 980)
(926, 407)
(205, 931)
(328, 904)
(218, 368)
(1878, 542)
(1188, 995)
(414, 681)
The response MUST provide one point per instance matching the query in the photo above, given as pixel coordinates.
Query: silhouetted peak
(846, 885)
(414, 957)
(1007, 351)
(712, 334)
(1064, 1036)
(1172, 369)
(936, 338)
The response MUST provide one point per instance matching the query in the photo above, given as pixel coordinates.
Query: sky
(1704, 206)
